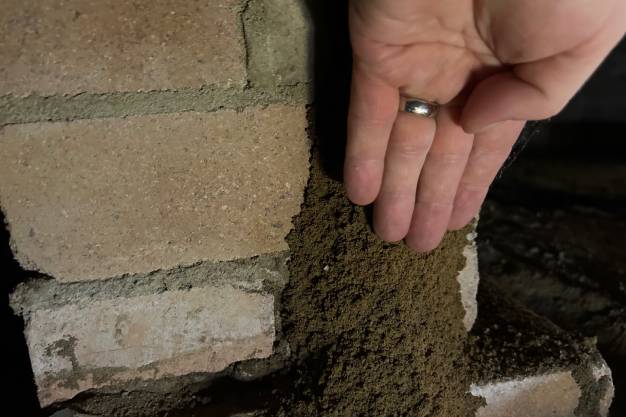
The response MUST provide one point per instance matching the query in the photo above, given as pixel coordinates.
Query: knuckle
(448, 159)
(490, 158)
(410, 147)
(363, 164)
(477, 187)
(396, 196)
(493, 147)
(434, 212)
(374, 120)
(438, 196)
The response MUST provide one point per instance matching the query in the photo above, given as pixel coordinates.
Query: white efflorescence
(468, 279)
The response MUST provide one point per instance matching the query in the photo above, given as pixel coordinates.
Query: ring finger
(491, 148)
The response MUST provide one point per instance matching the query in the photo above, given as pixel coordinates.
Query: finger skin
(490, 150)
(438, 182)
(373, 110)
(410, 141)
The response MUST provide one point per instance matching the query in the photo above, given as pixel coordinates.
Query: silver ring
(419, 107)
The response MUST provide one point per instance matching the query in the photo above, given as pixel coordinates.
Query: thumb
(540, 89)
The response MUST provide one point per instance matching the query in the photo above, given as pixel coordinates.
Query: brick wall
(152, 155)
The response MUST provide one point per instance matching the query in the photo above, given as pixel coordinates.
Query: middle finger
(439, 181)
(410, 140)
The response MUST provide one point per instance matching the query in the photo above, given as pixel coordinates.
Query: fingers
(438, 182)
(410, 141)
(373, 110)
(490, 150)
(540, 89)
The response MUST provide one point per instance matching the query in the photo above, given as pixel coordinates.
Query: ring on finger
(419, 107)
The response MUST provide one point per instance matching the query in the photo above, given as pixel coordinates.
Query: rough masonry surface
(72, 46)
(280, 56)
(95, 199)
(554, 394)
(83, 346)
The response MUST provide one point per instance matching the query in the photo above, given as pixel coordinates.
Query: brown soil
(377, 329)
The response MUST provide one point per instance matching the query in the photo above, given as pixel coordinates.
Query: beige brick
(70, 46)
(94, 199)
(102, 343)
(551, 395)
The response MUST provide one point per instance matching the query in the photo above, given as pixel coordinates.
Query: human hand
(493, 64)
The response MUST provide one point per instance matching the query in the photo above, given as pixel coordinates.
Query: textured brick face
(94, 199)
(70, 46)
(279, 37)
(99, 343)
(554, 395)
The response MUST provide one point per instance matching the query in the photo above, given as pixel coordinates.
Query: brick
(94, 199)
(555, 395)
(526, 366)
(94, 344)
(279, 39)
(72, 46)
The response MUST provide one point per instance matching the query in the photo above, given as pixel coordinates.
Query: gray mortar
(266, 274)
(280, 57)
(37, 108)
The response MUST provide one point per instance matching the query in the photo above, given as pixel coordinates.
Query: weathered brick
(94, 199)
(102, 343)
(279, 38)
(70, 46)
(554, 394)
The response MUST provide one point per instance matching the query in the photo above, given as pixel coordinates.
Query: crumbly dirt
(377, 329)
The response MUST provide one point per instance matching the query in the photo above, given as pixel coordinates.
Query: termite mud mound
(376, 328)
